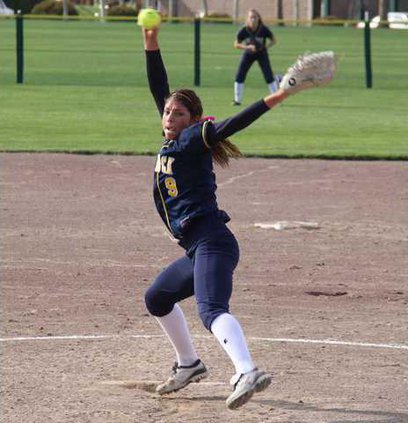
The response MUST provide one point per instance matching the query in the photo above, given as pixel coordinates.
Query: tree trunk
(382, 9)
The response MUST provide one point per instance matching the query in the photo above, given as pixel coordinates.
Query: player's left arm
(205, 134)
(310, 70)
(270, 38)
(246, 117)
(270, 42)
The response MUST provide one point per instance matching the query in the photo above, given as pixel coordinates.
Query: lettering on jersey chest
(164, 164)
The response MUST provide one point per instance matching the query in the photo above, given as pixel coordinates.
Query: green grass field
(85, 90)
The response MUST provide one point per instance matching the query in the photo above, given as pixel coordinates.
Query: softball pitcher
(184, 189)
(254, 39)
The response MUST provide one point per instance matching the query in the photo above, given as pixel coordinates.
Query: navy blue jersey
(184, 186)
(184, 182)
(257, 38)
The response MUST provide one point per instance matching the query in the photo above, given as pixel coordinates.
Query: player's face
(253, 19)
(176, 117)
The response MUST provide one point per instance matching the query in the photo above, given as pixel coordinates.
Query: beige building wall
(271, 10)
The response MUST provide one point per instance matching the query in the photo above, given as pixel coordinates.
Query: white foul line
(245, 175)
(288, 340)
(72, 337)
(334, 342)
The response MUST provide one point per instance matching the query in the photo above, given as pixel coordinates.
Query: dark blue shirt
(184, 185)
(184, 181)
(256, 38)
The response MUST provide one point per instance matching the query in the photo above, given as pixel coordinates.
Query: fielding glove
(310, 70)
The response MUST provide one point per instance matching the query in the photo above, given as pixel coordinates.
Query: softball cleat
(182, 376)
(245, 385)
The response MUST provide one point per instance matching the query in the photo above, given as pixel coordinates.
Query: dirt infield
(320, 291)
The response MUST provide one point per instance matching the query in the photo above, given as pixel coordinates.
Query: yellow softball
(149, 18)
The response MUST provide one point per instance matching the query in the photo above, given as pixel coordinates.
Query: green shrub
(219, 17)
(121, 10)
(53, 7)
(24, 5)
(328, 20)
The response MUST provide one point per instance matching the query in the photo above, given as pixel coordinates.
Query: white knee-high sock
(230, 335)
(175, 327)
(238, 91)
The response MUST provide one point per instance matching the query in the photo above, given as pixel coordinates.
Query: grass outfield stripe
(85, 91)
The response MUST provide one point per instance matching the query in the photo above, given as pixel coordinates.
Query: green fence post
(325, 8)
(197, 52)
(20, 47)
(394, 6)
(367, 51)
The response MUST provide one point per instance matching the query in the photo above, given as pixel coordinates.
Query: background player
(184, 193)
(254, 39)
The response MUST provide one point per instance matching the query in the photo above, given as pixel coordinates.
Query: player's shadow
(193, 399)
(389, 417)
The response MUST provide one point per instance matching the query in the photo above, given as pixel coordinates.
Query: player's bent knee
(150, 301)
(208, 316)
(154, 303)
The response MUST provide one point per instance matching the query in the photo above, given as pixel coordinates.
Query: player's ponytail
(224, 149)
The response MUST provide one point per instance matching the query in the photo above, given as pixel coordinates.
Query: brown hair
(254, 11)
(223, 150)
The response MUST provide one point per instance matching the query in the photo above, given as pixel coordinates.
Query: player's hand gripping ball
(149, 18)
